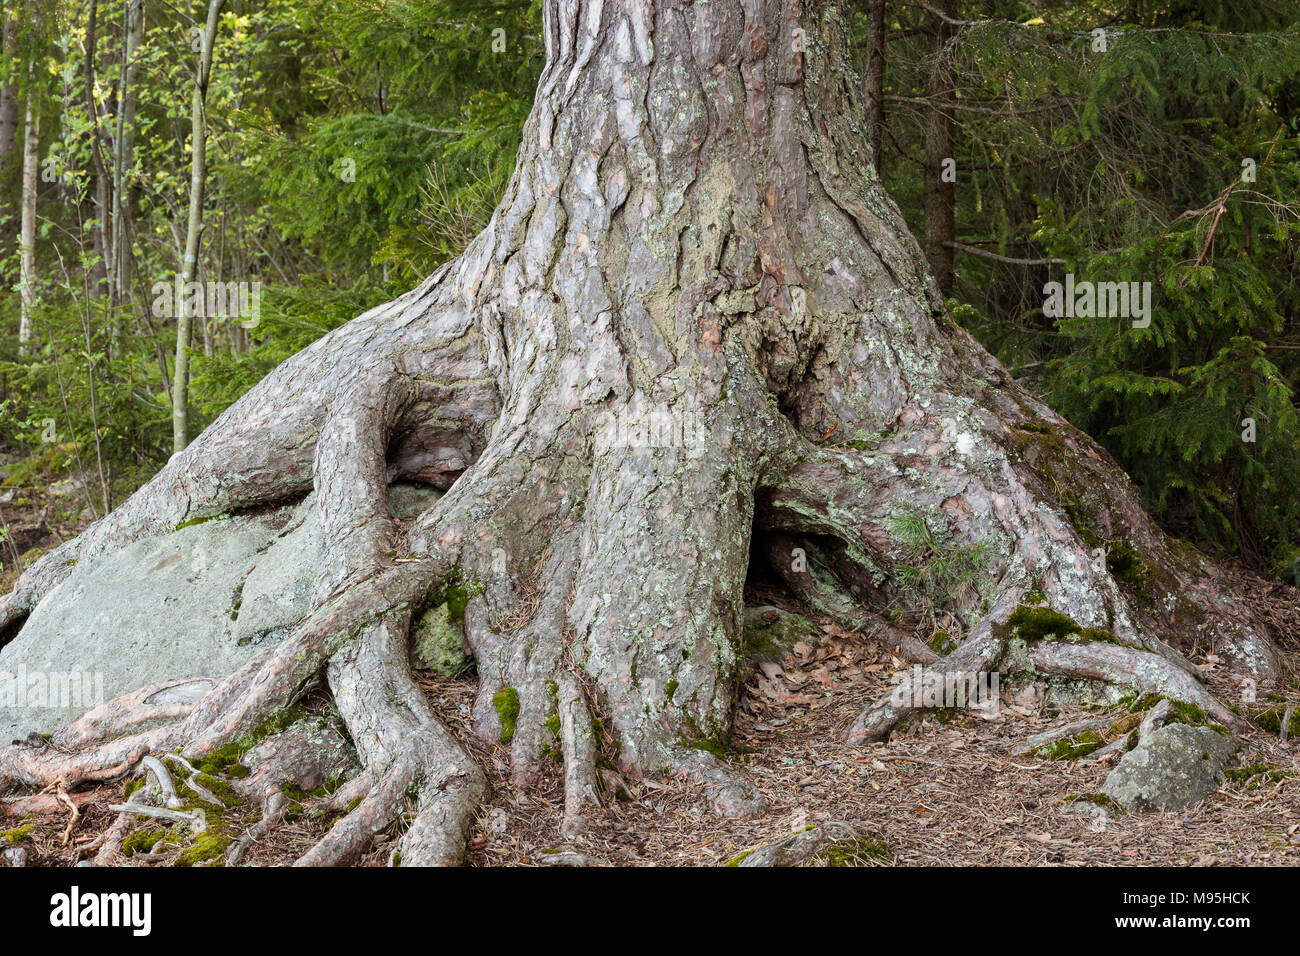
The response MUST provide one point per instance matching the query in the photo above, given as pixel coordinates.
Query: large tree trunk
(695, 334)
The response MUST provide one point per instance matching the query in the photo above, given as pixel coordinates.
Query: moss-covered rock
(771, 633)
(438, 641)
(825, 844)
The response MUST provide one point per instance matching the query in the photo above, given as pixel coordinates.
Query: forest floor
(936, 793)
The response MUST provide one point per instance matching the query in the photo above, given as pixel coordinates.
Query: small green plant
(934, 565)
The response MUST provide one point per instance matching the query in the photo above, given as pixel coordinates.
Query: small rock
(1172, 768)
(566, 858)
(771, 633)
(15, 856)
(828, 844)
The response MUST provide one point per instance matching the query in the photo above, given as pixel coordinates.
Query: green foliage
(351, 149)
(1123, 165)
(292, 318)
(933, 565)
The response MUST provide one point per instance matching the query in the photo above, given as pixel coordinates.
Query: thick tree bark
(695, 330)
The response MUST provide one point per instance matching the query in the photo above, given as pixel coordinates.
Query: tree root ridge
(1142, 671)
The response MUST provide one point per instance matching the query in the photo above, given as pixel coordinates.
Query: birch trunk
(193, 229)
(27, 239)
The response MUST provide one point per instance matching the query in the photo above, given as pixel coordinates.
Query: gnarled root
(406, 751)
(579, 748)
(1141, 670)
(305, 756)
(1144, 671)
(167, 701)
(981, 652)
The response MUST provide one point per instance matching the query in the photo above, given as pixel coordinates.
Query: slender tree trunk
(874, 82)
(124, 146)
(27, 269)
(193, 230)
(8, 117)
(940, 163)
(99, 239)
(695, 336)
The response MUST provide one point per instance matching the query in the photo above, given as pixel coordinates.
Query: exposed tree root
(108, 845)
(163, 702)
(272, 815)
(981, 652)
(406, 750)
(579, 751)
(1145, 672)
(40, 804)
(984, 650)
(155, 768)
(31, 764)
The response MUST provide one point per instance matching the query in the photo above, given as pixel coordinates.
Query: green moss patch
(18, 834)
(1072, 748)
(1032, 624)
(507, 705)
(735, 860)
(198, 521)
(862, 851)
(207, 847)
(1097, 799)
(1271, 721)
(142, 841)
(942, 643)
(1257, 775)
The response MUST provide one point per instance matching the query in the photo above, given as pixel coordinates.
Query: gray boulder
(199, 601)
(1172, 768)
